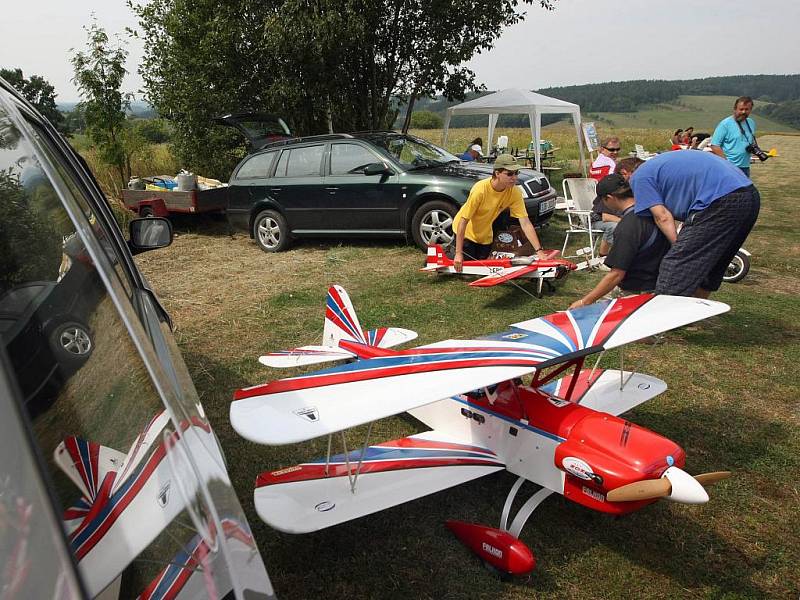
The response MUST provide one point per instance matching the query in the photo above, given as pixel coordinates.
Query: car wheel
(71, 343)
(271, 231)
(147, 211)
(736, 271)
(433, 224)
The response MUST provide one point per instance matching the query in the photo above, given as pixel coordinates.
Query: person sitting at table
(474, 152)
(477, 141)
(605, 163)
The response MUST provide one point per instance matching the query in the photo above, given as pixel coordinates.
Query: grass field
(732, 404)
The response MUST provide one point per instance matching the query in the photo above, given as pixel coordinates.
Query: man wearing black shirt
(636, 254)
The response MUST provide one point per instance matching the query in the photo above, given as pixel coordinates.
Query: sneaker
(603, 267)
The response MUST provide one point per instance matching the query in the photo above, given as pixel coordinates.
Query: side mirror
(377, 169)
(149, 234)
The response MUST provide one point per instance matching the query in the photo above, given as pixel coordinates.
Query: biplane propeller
(560, 431)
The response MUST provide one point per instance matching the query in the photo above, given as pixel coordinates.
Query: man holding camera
(718, 205)
(735, 136)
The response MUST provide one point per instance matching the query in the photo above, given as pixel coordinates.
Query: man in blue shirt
(718, 205)
(473, 153)
(735, 133)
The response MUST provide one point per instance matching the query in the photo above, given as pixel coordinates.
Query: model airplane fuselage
(561, 431)
(494, 271)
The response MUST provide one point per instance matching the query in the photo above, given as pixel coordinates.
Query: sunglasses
(511, 173)
(612, 149)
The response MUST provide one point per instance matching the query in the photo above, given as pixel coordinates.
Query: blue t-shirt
(684, 181)
(733, 143)
(467, 156)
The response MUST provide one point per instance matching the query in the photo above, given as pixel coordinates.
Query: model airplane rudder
(341, 321)
(436, 258)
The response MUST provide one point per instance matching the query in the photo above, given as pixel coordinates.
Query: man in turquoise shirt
(735, 133)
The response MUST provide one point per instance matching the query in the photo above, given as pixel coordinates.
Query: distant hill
(138, 108)
(661, 103)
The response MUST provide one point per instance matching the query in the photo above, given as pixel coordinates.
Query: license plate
(547, 206)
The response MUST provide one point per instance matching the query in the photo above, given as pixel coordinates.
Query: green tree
(98, 74)
(425, 119)
(39, 92)
(322, 64)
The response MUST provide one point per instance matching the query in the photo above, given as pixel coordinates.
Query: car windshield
(413, 153)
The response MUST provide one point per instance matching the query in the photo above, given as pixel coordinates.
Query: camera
(754, 149)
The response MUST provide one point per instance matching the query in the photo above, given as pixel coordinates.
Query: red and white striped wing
(312, 496)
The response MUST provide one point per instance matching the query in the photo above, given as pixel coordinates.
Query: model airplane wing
(504, 275)
(607, 390)
(319, 494)
(300, 408)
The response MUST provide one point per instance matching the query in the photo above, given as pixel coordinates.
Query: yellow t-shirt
(483, 206)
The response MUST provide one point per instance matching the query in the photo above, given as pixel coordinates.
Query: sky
(582, 41)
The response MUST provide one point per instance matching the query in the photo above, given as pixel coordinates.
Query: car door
(298, 188)
(249, 184)
(360, 202)
(134, 467)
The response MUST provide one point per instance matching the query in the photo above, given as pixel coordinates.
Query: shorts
(707, 242)
(607, 228)
(476, 251)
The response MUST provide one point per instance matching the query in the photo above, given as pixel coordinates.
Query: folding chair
(642, 153)
(580, 193)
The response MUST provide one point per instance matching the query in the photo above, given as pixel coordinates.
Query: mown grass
(732, 403)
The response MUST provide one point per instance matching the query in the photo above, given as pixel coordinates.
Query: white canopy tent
(517, 101)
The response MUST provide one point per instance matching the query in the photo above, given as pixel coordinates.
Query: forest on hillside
(781, 91)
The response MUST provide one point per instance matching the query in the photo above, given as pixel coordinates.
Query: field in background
(701, 112)
(732, 403)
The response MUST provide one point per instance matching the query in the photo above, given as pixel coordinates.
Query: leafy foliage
(785, 112)
(425, 119)
(39, 92)
(323, 64)
(98, 74)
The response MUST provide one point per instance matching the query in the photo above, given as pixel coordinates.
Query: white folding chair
(642, 153)
(580, 193)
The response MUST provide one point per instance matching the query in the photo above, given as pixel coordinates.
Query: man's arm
(530, 233)
(603, 287)
(461, 230)
(608, 217)
(665, 222)
(717, 150)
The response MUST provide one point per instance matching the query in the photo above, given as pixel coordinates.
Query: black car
(361, 185)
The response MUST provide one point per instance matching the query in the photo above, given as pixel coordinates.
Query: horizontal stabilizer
(304, 498)
(389, 337)
(304, 355)
(602, 392)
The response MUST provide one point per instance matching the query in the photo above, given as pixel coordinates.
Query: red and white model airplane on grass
(503, 268)
(560, 431)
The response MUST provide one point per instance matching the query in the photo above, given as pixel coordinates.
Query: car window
(73, 346)
(350, 159)
(300, 162)
(257, 165)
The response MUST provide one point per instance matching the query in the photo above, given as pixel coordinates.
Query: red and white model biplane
(504, 267)
(560, 431)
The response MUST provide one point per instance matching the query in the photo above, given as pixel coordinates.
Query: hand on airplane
(458, 261)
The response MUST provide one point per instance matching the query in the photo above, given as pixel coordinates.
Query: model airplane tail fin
(87, 463)
(436, 258)
(341, 322)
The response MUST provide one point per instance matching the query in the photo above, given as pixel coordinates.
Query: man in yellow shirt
(487, 199)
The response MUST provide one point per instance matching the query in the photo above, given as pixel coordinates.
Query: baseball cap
(477, 149)
(507, 162)
(608, 184)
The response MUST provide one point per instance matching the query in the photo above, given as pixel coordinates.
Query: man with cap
(718, 205)
(603, 218)
(487, 199)
(636, 255)
(472, 153)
